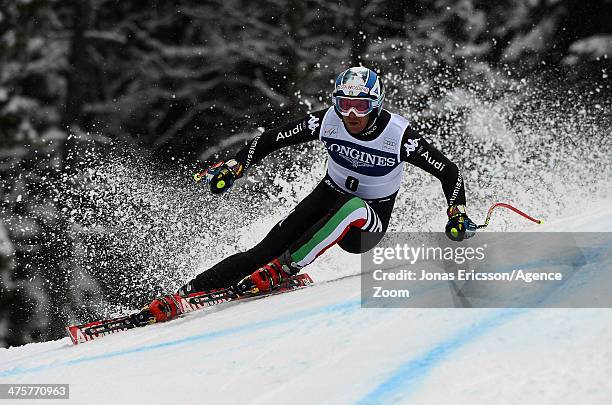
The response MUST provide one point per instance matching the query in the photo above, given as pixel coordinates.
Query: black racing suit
(311, 212)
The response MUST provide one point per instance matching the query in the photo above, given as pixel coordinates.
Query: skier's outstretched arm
(417, 151)
(292, 133)
(221, 176)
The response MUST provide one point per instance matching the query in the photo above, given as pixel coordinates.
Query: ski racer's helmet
(359, 90)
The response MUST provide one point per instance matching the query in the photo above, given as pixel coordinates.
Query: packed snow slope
(317, 345)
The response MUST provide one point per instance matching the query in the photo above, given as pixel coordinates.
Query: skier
(367, 146)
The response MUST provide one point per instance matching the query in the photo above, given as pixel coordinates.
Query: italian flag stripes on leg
(355, 212)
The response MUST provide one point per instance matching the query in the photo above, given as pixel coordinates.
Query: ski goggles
(359, 106)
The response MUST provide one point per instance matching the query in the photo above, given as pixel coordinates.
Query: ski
(189, 303)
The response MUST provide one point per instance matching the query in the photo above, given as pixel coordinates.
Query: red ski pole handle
(510, 207)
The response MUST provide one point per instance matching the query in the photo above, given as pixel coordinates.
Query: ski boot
(264, 279)
(163, 308)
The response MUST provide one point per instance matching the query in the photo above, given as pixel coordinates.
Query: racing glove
(221, 176)
(459, 226)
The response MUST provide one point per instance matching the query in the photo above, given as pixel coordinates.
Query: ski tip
(72, 333)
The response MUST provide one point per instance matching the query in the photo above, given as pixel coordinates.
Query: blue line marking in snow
(347, 306)
(406, 378)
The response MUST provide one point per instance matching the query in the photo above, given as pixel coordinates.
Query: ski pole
(510, 207)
